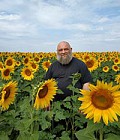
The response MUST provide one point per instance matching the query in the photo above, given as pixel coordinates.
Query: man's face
(64, 53)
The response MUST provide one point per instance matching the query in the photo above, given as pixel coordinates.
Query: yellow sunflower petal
(113, 114)
(97, 115)
(105, 117)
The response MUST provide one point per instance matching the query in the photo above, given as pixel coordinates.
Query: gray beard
(66, 60)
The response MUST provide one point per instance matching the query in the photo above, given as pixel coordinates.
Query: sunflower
(18, 63)
(46, 65)
(6, 73)
(36, 59)
(45, 94)
(101, 102)
(8, 94)
(105, 68)
(27, 73)
(10, 62)
(26, 61)
(115, 68)
(34, 66)
(92, 64)
(116, 60)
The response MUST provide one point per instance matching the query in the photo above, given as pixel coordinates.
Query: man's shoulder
(55, 63)
(77, 60)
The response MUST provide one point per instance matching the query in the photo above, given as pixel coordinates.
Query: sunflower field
(27, 110)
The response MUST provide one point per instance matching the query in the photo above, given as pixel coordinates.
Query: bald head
(63, 43)
(64, 52)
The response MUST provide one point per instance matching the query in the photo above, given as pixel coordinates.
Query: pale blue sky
(39, 25)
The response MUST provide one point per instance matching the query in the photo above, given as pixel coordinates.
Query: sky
(39, 25)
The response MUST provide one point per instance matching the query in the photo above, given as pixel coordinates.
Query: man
(64, 67)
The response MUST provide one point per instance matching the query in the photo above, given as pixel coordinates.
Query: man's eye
(63, 49)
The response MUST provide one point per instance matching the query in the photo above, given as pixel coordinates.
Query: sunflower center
(43, 92)
(33, 66)
(27, 72)
(26, 60)
(7, 93)
(9, 63)
(87, 57)
(102, 99)
(36, 59)
(47, 64)
(6, 72)
(116, 60)
(115, 67)
(90, 63)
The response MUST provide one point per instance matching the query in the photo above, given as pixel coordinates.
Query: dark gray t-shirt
(61, 73)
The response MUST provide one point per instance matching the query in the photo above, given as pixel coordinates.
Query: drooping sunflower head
(46, 65)
(8, 93)
(101, 102)
(45, 94)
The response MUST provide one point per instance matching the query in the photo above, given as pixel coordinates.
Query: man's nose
(63, 51)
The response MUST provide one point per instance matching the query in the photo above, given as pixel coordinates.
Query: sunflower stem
(73, 111)
(31, 113)
(101, 133)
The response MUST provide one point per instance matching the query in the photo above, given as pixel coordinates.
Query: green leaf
(3, 136)
(81, 135)
(59, 116)
(23, 136)
(34, 136)
(91, 127)
(112, 137)
(45, 125)
(24, 124)
(65, 136)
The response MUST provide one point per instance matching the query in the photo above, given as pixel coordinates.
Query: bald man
(64, 67)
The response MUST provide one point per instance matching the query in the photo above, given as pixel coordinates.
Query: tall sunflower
(45, 94)
(27, 73)
(8, 94)
(101, 102)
